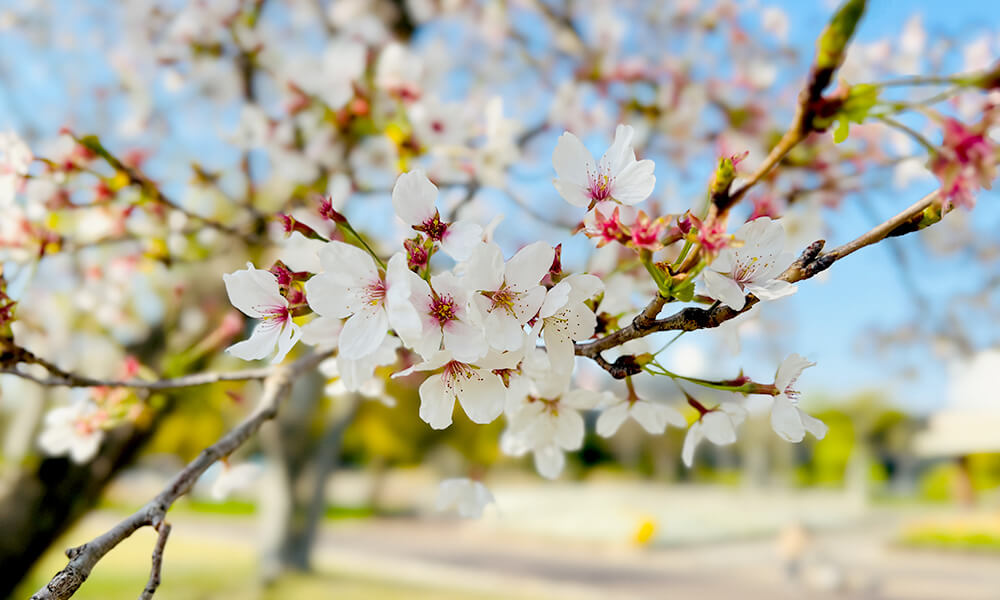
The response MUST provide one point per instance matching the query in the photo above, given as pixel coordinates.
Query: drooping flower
(75, 430)
(479, 390)
(507, 296)
(566, 318)
(717, 426)
(617, 176)
(547, 423)
(652, 416)
(787, 419)
(255, 292)
(752, 267)
(414, 197)
(469, 498)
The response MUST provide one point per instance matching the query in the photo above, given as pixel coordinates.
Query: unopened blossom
(508, 295)
(255, 292)
(787, 419)
(75, 430)
(753, 267)
(617, 176)
(446, 323)
(352, 286)
(469, 498)
(717, 426)
(652, 416)
(233, 478)
(414, 197)
(566, 318)
(965, 163)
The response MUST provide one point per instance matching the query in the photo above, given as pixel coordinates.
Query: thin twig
(156, 562)
(82, 559)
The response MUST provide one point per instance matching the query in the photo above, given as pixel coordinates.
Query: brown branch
(156, 562)
(811, 262)
(82, 559)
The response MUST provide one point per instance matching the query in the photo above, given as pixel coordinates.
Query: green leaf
(840, 134)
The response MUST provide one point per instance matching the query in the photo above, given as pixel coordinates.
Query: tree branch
(811, 262)
(82, 559)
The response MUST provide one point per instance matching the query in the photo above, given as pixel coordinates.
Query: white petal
(555, 299)
(364, 332)
(789, 371)
(635, 183)
(485, 268)
(253, 291)
(467, 342)
(620, 154)
(577, 195)
(323, 332)
(569, 430)
(526, 268)
(352, 265)
(654, 417)
(572, 161)
(772, 290)
(481, 394)
(611, 419)
(724, 289)
(260, 343)
(287, 337)
(691, 441)
(549, 461)
(718, 428)
(461, 238)
(583, 286)
(785, 419)
(413, 197)
(813, 425)
(436, 405)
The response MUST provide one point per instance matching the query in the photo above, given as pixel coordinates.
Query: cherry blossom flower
(15, 158)
(752, 267)
(445, 319)
(507, 296)
(255, 292)
(476, 387)
(74, 430)
(617, 176)
(547, 424)
(413, 197)
(787, 419)
(652, 416)
(352, 286)
(358, 375)
(966, 162)
(233, 478)
(469, 498)
(717, 426)
(566, 318)
(605, 224)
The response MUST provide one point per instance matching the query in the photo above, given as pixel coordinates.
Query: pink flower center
(443, 309)
(600, 187)
(434, 227)
(375, 293)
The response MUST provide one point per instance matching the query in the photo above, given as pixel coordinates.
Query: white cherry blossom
(507, 296)
(256, 294)
(351, 285)
(74, 429)
(469, 498)
(358, 375)
(445, 319)
(787, 419)
(414, 198)
(752, 267)
(15, 158)
(565, 318)
(476, 387)
(617, 176)
(652, 416)
(717, 426)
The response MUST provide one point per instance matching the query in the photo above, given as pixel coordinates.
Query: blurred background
(240, 110)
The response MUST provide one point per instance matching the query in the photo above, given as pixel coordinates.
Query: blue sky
(831, 319)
